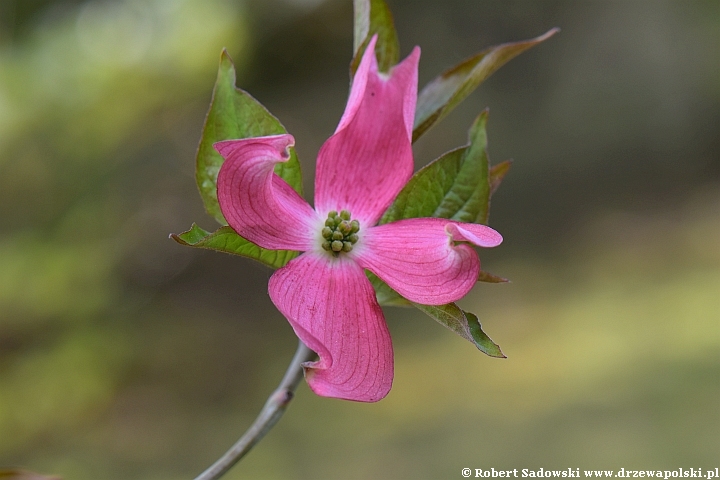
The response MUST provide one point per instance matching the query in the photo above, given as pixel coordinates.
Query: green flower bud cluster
(339, 232)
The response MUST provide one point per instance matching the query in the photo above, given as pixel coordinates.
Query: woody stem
(274, 408)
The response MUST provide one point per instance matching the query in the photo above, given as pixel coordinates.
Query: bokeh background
(126, 356)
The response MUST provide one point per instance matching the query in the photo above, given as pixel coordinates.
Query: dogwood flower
(324, 292)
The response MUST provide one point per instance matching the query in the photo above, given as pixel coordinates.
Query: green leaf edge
(374, 17)
(226, 240)
(479, 67)
(469, 162)
(463, 323)
(488, 277)
(497, 174)
(208, 161)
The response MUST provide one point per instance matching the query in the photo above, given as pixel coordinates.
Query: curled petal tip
(252, 197)
(480, 235)
(281, 143)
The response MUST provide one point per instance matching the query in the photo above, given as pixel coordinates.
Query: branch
(272, 411)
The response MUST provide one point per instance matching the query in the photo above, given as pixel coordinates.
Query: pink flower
(361, 168)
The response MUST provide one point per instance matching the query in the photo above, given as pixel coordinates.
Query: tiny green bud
(339, 232)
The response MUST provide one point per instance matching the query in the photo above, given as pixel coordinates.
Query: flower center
(339, 232)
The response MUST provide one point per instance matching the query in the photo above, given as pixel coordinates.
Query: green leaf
(385, 295)
(374, 17)
(497, 173)
(449, 315)
(445, 92)
(226, 240)
(464, 324)
(490, 278)
(481, 339)
(454, 186)
(234, 114)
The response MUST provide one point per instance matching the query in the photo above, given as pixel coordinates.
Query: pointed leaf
(481, 339)
(445, 92)
(374, 17)
(454, 186)
(226, 240)
(497, 174)
(490, 278)
(234, 114)
(464, 324)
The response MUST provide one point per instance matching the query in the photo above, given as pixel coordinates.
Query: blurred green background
(126, 356)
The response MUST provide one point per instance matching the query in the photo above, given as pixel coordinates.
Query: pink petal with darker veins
(259, 205)
(368, 160)
(418, 257)
(331, 306)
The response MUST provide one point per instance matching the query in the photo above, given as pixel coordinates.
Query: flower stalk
(274, 408)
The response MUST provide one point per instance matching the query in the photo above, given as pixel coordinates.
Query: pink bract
(325, 295)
